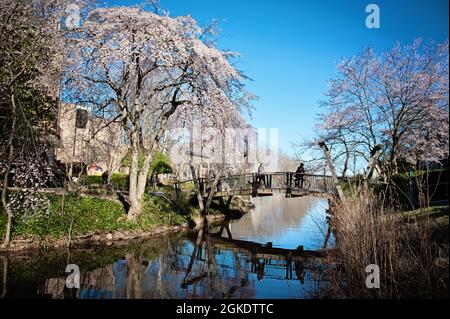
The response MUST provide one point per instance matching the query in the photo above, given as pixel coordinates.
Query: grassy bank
(410, 249)
(78, 216)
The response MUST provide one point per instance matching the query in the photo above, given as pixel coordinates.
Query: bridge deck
(265, 192)
(289, 184)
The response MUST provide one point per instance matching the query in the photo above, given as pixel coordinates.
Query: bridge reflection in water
(261, 258)
(226, 263)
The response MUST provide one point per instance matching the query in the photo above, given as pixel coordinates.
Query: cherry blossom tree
(398, 98)
(216, 139)
(29, 60)
(414, 103)
(138, 68)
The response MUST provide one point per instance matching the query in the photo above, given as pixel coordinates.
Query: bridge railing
(306, 182)
(321, 184)
(236, 182)
(280, 181)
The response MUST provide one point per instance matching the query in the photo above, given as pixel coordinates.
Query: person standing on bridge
(300, 176)
(261, 175)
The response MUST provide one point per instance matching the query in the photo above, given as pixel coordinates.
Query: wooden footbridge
(292, 184)
(288, 183)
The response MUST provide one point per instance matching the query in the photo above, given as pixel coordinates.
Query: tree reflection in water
(203, 264)
(199, 266)
(4, 268)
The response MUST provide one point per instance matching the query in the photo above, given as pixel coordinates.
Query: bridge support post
(177, 191)
(201, 182)
(227, 204)
(255, 186)
(289, 185)
(229, 200)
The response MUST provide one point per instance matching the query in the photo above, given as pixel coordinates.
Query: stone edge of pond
(116, 238)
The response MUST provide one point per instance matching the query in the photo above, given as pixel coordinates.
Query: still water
(257, 256)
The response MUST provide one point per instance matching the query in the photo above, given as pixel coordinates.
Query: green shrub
(118, 181)
(350, 185)
(86, 215)
(89, 180)
(159, 165)
(437, 186)
(159, 211)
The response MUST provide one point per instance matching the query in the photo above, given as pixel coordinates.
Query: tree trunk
(211, 194)
(135, 209)
(137, 187)
(394, 165)
(7, 172)
(197, 189)
(347, 160)
(134, 200)
(337, 186)
(143, 175)
(138, 176)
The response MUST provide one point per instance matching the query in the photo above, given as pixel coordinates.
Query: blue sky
(290, 47)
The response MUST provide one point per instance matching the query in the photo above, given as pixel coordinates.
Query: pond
(257, 256)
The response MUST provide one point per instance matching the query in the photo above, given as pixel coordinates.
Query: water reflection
(285, 222)
(226, 262)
